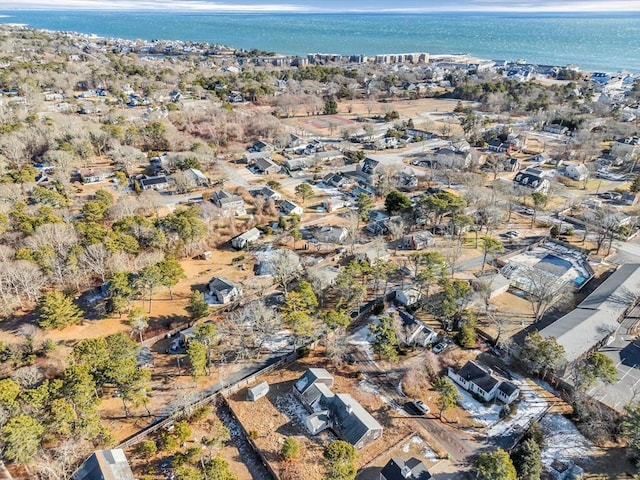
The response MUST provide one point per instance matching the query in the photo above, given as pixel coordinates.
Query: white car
(419, 405)
(439, 347)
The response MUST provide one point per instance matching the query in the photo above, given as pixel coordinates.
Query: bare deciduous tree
(286, 266)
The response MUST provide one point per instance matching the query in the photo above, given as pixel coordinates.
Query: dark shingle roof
(414, 470)
(473, 373)
(507, 388)
(350, 420)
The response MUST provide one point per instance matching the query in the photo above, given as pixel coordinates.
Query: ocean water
(603, 42)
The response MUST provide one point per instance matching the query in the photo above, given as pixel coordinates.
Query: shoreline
(218, 49)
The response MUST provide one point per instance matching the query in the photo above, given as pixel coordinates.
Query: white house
(229, 203)
(577, 172)
(476, 379)
(245, 239)
(289, 208)
(532, 181)
(408, 296)
(224, 291)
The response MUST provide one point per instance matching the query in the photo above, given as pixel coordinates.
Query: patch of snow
(366, 386)
(362, 337)
(292, 408)
(531, 406)
(278, 342)
(427, 452)
(486, 415)
(563, 441)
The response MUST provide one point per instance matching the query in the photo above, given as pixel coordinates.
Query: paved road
(457, 443)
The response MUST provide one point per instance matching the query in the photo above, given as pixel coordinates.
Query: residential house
(339, 412)
(229, 203)
(577, 172)
(476, 379)
(293, 164)
(266, 166)
(90, 175)
(556, 128)
(267, 193)
(624, 147)
(336, 180)
(591, 324)
(251, 157)
(511, 164)
(330, 234)
(105, 465)
(351, 422)
(541, 158)
(418, 240)
(156, 182)
(371, 252)
(408, 296)
(531, 181)
(334, 203)
(398, 469)
(287, 207)
(415, 332)
(368, 170)
(498, 146)
(224, 291)
(245, 239)
(495, 284)
(406, 180)
(295, 141)
(262, 146)
(310, 386)
(199, 178)
(327, 156)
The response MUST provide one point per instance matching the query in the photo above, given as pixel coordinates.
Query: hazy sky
(331, 5)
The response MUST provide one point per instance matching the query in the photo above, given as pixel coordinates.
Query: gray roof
(350, 420)
(252, 234)
(471, 372)
(219, 284)
(598, 315)
(507, 388)
(105, 465)
(149, 181)
(311, 376)
(413, 469)
(264, 163)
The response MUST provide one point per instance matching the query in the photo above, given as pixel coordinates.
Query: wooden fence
(223, 392)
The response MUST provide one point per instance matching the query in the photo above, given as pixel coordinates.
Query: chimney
(406, 472)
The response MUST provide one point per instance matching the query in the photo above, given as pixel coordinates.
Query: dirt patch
(278, 415)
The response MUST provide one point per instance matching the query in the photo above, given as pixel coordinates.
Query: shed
(257, 391)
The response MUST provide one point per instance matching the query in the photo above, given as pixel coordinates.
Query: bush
(182, 430)
(168, 443)
(147, 448)
(303, 352)
(290, 449)
(201, 413)
(253, 435)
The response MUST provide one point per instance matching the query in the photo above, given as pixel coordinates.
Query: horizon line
(200, 6)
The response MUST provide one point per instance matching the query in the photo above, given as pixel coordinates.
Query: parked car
(439, 347)
(420, 406)
(527, 211)
(512, 233)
